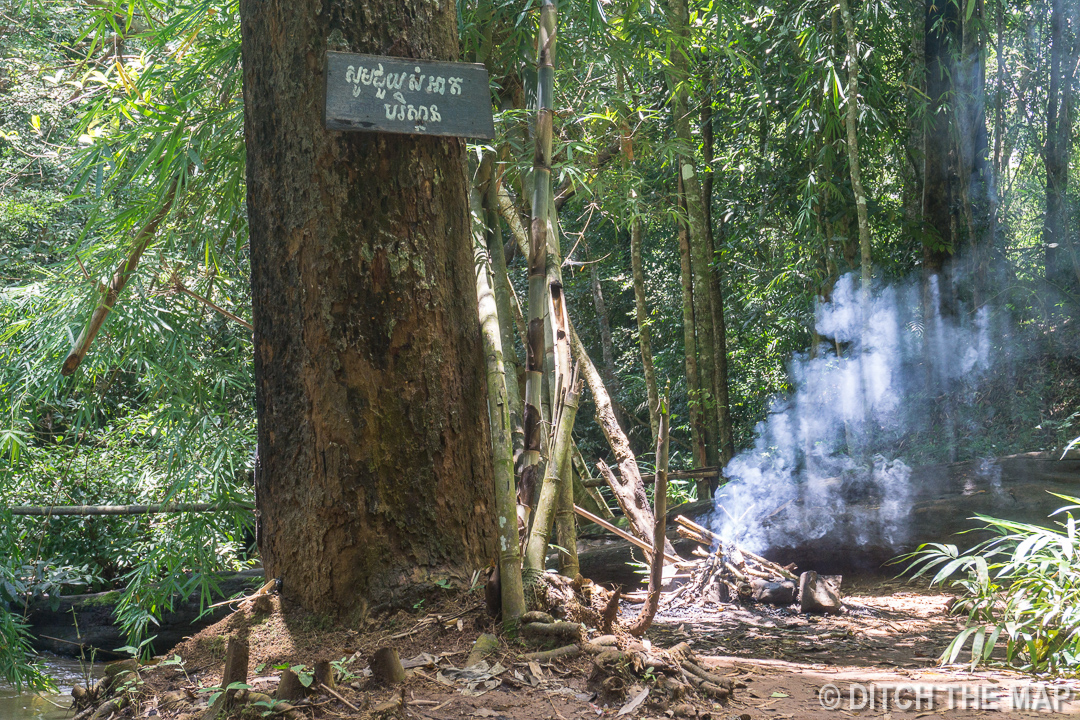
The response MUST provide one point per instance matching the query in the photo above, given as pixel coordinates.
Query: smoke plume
(883, 385)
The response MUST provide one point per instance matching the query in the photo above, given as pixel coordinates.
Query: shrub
(1022, 586)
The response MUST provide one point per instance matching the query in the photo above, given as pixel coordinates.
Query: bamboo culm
(538, 286)
(512, 594)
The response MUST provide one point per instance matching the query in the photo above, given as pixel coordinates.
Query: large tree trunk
(374, 470)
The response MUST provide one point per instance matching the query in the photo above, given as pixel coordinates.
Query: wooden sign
(400, 95)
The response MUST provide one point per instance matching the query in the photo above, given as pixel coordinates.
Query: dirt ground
(878, 659)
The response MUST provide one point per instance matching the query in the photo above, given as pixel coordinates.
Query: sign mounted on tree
(402, 95)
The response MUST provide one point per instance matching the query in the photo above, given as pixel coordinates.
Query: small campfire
(723, 573)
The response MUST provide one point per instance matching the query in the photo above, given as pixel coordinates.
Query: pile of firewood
(725, 573)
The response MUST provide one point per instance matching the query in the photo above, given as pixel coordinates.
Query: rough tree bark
(373, 472)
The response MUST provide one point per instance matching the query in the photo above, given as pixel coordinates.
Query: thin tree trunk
(502, 451)
(557, 468)
(942, 38)
(693, 381)
(644, 324)
(700, 252)
(538, 247)
(851, 120)
(628, 488)
(656, 569)
(504, 301)
(607, 346)
(725, 436)
(1056, 153)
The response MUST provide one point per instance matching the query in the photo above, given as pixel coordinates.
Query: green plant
(272, 706)
(177, 661)
(1022, 586)
(341, 669)
(216, 690)
(305, 674)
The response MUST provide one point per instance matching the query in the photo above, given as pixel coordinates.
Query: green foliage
(1022, 587)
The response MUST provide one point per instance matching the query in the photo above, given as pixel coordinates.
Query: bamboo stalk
(84, 510)
(512, 593)
(505, 300)
(116, 285)
(851, 123)
(622, 533)
(536, 348)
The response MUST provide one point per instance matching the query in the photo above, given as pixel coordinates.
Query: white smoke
(832, 452)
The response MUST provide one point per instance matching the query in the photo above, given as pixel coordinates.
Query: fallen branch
(623, 534)
(628, 490)
(336, 694)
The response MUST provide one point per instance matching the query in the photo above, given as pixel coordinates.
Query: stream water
(24, 705)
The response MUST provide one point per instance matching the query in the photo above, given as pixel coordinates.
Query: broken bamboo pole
(547, 505)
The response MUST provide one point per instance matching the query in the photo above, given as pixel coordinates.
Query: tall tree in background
(1060, 260)
(704, 301)
(374, 465)
(956, 182)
